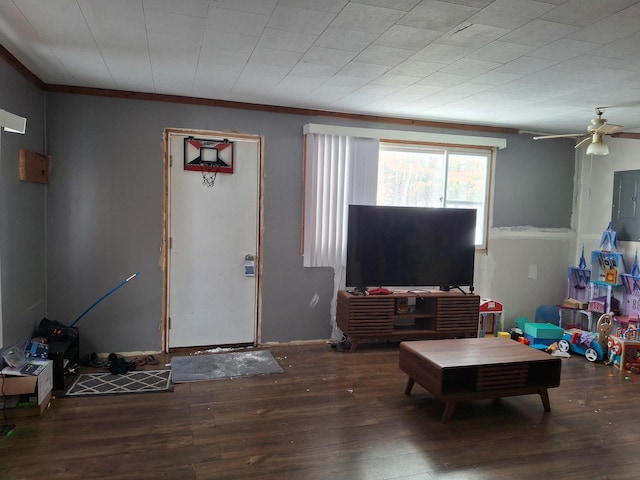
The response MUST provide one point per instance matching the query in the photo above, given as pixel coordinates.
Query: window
(428, 176)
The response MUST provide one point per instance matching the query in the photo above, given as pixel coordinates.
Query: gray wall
(104, 218)
(105, 214)
(22, 213)
(534, 183)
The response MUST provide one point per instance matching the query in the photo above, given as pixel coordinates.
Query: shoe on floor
(95, 362)
(151, 360)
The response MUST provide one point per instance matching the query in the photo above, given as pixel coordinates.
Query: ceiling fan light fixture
(597, 146)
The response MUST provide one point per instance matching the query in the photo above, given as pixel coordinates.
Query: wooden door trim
(165, 250)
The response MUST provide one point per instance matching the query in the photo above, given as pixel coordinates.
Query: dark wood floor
(335, 415)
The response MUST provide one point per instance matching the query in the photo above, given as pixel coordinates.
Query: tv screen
(410, 247)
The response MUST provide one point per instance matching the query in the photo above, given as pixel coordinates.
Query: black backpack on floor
(55, 331)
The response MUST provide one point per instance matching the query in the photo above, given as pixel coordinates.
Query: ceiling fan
(594, 137)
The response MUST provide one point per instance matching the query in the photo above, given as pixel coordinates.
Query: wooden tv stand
(417, 315)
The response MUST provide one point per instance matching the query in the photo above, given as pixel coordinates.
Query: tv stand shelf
(407, 316)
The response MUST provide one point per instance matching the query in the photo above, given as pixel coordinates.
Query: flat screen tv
(410, 247)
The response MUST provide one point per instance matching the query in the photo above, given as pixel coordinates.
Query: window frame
(490, 153)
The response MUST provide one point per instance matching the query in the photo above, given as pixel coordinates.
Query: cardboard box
(38, 388)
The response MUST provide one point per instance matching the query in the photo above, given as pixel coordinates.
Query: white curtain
(339, 171)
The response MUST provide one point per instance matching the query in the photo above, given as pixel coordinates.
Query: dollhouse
(608, 287)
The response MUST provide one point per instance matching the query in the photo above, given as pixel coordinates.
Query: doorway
(212, 241)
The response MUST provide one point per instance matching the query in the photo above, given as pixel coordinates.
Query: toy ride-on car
(583, 343)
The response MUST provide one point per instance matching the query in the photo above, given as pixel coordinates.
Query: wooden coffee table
(467, 369)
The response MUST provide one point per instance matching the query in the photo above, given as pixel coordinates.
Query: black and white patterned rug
(142, 381)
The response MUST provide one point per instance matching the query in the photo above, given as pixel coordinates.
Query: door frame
(166, 229)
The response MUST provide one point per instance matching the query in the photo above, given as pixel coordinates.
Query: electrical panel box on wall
(624, 214)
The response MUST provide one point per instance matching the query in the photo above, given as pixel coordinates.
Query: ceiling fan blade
(632, 135)
(608, 129)
(583, 142)
(566, 135)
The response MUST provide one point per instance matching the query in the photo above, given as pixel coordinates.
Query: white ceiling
(533, 65)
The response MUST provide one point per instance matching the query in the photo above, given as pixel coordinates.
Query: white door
(211, 229)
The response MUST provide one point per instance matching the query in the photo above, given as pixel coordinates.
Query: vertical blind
(339, 171)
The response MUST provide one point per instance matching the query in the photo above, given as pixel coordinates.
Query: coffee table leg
(409, 387)
(449, 407)
(544, 395)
